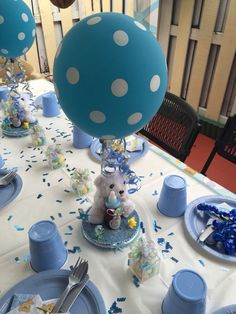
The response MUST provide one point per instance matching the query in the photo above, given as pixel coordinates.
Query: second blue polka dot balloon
(17, 28)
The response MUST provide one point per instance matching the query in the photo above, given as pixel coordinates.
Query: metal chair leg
(209, 160)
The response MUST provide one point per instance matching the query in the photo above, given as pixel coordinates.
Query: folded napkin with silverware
(220, 228)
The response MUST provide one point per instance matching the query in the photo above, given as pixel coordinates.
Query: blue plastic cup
(187, 294)
(47, 250)
(3, 94)
(50, 105)
(173, 196)
(80, 138)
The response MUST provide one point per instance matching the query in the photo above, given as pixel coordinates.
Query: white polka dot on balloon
(1, 19)
(21, 36)
(24, 17)
(25, 50)
(119, 87)
(4, 51)
(97, 116)
(94, 20)
(33, 32)
(141, 26)
(121, 38)
(134, 118)
(155, 83)
(72, 75)
(108, 137)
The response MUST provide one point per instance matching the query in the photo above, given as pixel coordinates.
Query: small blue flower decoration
(17, 28)
(83, 215)
(110, 75)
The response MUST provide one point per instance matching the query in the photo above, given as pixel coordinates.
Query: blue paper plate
(229, 309)
(9, 193)
(112, 239)
(15, 132)
(195, 221)
(1, 162)
(133, 155)
(50, 285)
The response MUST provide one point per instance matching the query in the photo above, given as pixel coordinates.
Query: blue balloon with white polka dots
(110, 75)
(17, 28)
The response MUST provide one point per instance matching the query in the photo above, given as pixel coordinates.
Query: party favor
(144, 261)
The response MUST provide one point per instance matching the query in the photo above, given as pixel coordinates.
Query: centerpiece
(114, 70)
(15, 42)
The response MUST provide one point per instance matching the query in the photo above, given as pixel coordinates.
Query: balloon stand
(113, 221)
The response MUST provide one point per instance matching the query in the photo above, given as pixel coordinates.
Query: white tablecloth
(44, 196)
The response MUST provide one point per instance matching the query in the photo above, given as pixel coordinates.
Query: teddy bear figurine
(106, 185)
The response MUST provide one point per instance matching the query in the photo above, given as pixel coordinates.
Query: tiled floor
(220, 170)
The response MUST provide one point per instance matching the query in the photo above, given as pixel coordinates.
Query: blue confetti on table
(142, 226)
(160, 241)
(168, 246)
(68, 233)
(114, 308)
(19, 228)
(9, 218)
(174, 259)
(165, 252)
(76, 249)
(122, 299)
(136, 281)
(155, 226)
(26, 258)
(17, 260)
(201, 262)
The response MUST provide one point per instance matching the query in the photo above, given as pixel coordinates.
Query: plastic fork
(7, 178)
(76, 276)
(74, 294)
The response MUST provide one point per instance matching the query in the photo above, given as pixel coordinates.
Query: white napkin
(27, 306)
(33, 304)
